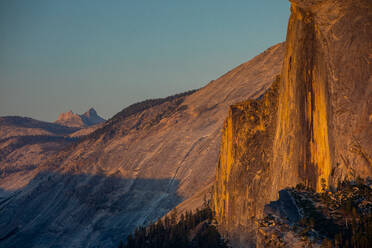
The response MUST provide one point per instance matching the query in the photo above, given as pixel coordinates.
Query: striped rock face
(320, 131)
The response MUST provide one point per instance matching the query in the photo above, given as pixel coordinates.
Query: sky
(57, 56)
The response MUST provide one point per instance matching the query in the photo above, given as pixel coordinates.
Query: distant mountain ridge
(71, 119)
(21, 126)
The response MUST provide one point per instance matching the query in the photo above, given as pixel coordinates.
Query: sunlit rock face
(319, 131)
(244, 172)
(71, 119)
(323, 131)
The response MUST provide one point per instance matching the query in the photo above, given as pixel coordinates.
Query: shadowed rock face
(91, 117)
(53, 204)
(174, 140)
(321, 133)
(303, 218)
(285, 207)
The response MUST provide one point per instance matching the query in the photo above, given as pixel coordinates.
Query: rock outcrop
(133, 169)
(243, 172)
(318, 131)
(71, 119)
(302, 218)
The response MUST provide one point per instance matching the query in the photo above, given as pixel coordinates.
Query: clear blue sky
(60, 55)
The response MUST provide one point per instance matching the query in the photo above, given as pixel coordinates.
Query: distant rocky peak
(91, 117)
(71, 119)
(91, 112)
(67, 115)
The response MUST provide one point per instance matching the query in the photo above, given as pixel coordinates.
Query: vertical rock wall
(301, 146)
(319, 129)
(244, 173)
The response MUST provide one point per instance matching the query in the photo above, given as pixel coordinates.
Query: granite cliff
(312, 127)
